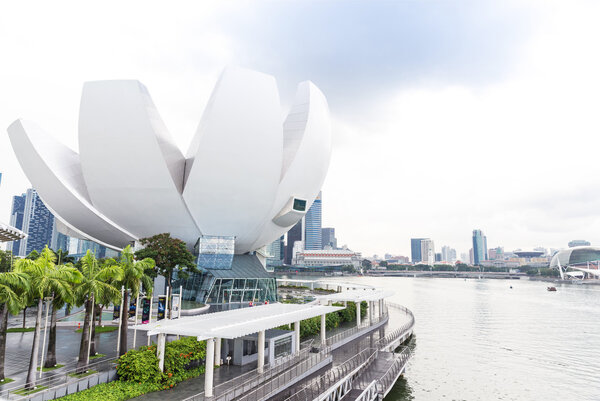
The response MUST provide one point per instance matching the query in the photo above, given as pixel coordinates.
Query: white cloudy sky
(448, 115)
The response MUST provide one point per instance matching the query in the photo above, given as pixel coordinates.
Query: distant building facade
(572, 244)
(328, 240)
(427, 252)
(415, 249)
(313, 239)
(322, 258)
(38, 224)
(17, 215)
(448, 254)
(479, 247)
(293, 235)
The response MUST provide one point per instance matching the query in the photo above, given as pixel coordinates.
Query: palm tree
(12, 286)
(95, 285)
(45, 280)
(133, 275)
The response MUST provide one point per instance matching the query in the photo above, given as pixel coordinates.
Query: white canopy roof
(8, 233)
(367, 294)
(237, 322)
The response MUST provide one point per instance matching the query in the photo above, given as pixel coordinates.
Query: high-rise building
(438, 257)
(479, 247)
(293, 235)
(427, 252)
(312, 238)
(448, 254)
(276, 252)
(16, 220)
(38, 224)
(328, 240)
(485, 249)
(574, 243)
(415, 249)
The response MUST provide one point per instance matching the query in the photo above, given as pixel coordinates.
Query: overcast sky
(448, 115)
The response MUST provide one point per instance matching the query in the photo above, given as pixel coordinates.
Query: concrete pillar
(210, 367)
(297, 336)
(323, 328)
(261, 351)
(370, 311)
(345, 304)
(380, 307)
(160, 349)
(217, 351)
(357, 313)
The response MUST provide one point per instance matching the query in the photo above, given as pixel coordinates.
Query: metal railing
(389, 339)
(354, 330)
(334, 379)
(68, 378)
(370, 393)
(389, 377)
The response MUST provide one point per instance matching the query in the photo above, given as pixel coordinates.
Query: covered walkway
(231, 324)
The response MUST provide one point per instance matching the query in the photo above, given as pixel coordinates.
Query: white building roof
(366, 294)
(8, 233)
(237, 322)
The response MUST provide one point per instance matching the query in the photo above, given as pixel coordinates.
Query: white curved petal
(55, 172)
(307, 151)
(234, 163)
(132, 168)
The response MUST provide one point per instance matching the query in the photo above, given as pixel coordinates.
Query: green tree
(97, 283)
(6, 259)
(46, 279)
(12, 287)
(134, 275)
(168, 254)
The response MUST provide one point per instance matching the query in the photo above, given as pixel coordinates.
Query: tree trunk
(169, 306)
(24, 316)
(51, 357)
(3, 326)
(33, 361)
(124, 320)
(83, 346)
(100, 317)
(93, 344)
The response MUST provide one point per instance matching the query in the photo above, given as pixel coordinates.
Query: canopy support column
(297, 336)
(261, 351)
(357, 313)
(323, 328)
(217, 351)
(160, 349)
(210, 366)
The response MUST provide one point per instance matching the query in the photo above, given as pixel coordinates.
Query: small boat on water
(551, 288)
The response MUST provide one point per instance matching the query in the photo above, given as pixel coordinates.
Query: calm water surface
(482, 340)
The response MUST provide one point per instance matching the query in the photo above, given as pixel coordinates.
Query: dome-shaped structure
(248, 175)
(578, 258)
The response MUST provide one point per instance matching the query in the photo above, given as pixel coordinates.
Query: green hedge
(139, 374)
(312, 326)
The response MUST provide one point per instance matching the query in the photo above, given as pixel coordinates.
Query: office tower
(328, 238)
(574, 243)
(59, 240)
(427, 252)
(485, 248)
(448, 254)
(16, 220)
(471, 257)
(312, 237)
(415, 249)
(293, 235)
(438, 257)
(38, 224)
(275, 250)
(478, 247)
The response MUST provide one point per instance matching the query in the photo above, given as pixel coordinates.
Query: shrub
(140, 365)
(113, 391)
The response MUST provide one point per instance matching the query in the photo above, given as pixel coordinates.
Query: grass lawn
(50, 368)
(84, 374)
(97, 356)
(6, 380)
(102, 329)
(20, 329)
(34, 390)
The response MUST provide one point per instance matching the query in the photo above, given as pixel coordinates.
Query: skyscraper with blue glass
(38, 224)
(479, 247)
(16, 220)
(312, 234)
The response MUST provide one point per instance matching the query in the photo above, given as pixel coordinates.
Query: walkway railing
(356, 329)
(394, 336)
(370, 393)
(391, 375)
(337, 380)
(59, 381)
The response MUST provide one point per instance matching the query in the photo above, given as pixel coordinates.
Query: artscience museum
(247, 177)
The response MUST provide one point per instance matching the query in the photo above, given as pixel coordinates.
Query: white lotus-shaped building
(248, 173)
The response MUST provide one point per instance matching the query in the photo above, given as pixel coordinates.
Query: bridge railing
(401, 331)
(332, 379)
(350, 332)
(389, 377)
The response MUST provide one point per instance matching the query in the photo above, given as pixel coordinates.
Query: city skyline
(501, 89)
